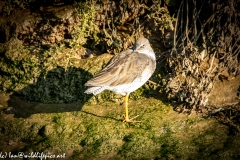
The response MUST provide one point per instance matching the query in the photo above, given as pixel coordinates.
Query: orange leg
(126, 119)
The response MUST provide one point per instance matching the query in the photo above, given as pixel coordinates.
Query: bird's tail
(94, 90)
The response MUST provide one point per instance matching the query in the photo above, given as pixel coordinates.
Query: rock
(224, 92)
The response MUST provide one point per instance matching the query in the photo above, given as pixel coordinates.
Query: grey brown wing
(117, 57)
(121, 71)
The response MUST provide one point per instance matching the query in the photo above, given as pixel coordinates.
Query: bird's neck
(149, 53)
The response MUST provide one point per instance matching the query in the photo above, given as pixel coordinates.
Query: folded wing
(123, 68)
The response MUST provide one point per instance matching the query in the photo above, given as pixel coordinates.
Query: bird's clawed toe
(131, 120)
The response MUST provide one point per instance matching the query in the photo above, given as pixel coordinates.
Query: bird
(125, 72)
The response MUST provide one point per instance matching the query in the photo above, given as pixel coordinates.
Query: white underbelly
(128, 88)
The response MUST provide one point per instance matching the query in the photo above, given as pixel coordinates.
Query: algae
(54, 116)
(97, 132)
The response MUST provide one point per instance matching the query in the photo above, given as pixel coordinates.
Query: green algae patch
(18, 67)
(55, 75)
(97, 132)
(66, 85)
(49, 76)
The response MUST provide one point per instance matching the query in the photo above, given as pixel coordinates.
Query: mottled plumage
(126, 71)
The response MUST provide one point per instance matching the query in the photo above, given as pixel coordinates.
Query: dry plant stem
(218, 110)
(152, 82)
(175, 28)
(211, 62)
(234, 125)
(186, 26)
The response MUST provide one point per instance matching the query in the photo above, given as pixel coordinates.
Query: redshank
(126, 72)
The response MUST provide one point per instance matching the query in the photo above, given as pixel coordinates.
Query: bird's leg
(126, 119)
(125, 103)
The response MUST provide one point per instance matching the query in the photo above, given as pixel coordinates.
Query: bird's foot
(130, 120)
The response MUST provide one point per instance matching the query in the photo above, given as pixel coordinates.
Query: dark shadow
(107, 117)
(59, 91)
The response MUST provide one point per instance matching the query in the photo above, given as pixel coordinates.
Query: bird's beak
(134, 48)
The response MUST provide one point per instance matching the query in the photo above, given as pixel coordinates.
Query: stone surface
(225, 92)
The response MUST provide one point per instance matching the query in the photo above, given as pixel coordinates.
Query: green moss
(18, 67)
(97, 131)
(86, 13)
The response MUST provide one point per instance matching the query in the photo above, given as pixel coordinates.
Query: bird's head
(143, 46)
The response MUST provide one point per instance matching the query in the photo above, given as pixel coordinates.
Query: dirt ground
(97, 132)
